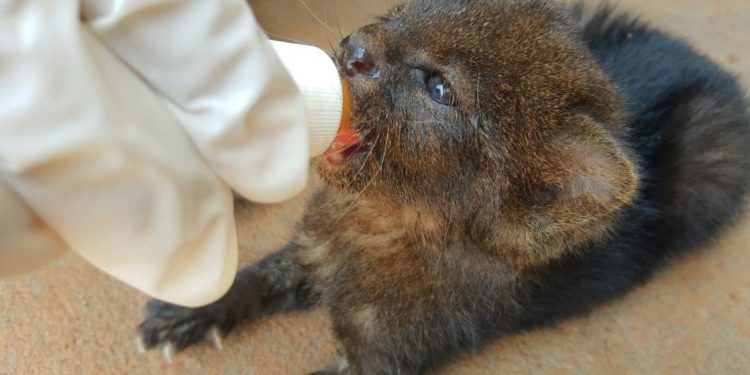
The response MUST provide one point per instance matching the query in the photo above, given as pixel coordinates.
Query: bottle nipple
(346, 108)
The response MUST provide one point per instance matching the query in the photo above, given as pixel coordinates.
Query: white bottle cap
(317, 77)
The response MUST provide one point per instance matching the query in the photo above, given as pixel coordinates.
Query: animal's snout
(356, 58)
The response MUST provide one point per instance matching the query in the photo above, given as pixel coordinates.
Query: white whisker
(361, 168)
(304, 4)
(380, 169)
(286, 38)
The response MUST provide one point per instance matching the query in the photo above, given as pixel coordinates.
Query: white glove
(124, 124)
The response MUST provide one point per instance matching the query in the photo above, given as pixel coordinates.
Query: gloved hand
(124, 124)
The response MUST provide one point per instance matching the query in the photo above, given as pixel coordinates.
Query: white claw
(215, 337)
(168, 352)
(139, 345)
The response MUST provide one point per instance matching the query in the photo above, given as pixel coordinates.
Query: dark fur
(585, 149)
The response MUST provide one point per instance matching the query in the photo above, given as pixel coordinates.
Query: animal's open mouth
(346, 143)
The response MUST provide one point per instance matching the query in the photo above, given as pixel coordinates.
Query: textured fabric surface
(692, 318)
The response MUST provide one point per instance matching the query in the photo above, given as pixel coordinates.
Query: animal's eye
(439, 89)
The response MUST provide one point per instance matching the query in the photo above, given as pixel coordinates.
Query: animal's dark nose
(356, 59)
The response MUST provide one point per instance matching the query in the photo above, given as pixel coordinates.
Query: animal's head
(493, 108)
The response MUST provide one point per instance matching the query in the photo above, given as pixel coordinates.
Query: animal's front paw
(172, 328)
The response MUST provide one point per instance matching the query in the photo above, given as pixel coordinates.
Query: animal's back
(690, 127)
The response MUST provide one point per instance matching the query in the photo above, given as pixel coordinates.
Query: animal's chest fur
(344, 239)
(403, 259)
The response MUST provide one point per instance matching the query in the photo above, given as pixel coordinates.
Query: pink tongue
(345, 139)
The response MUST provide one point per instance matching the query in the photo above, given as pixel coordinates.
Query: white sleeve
(220, 76)
(91, 159)
(116, 118)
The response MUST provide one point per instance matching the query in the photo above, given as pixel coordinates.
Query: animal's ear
(596, 173)
(573, 191)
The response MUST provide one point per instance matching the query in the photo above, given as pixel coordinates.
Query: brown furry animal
(521, 161)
